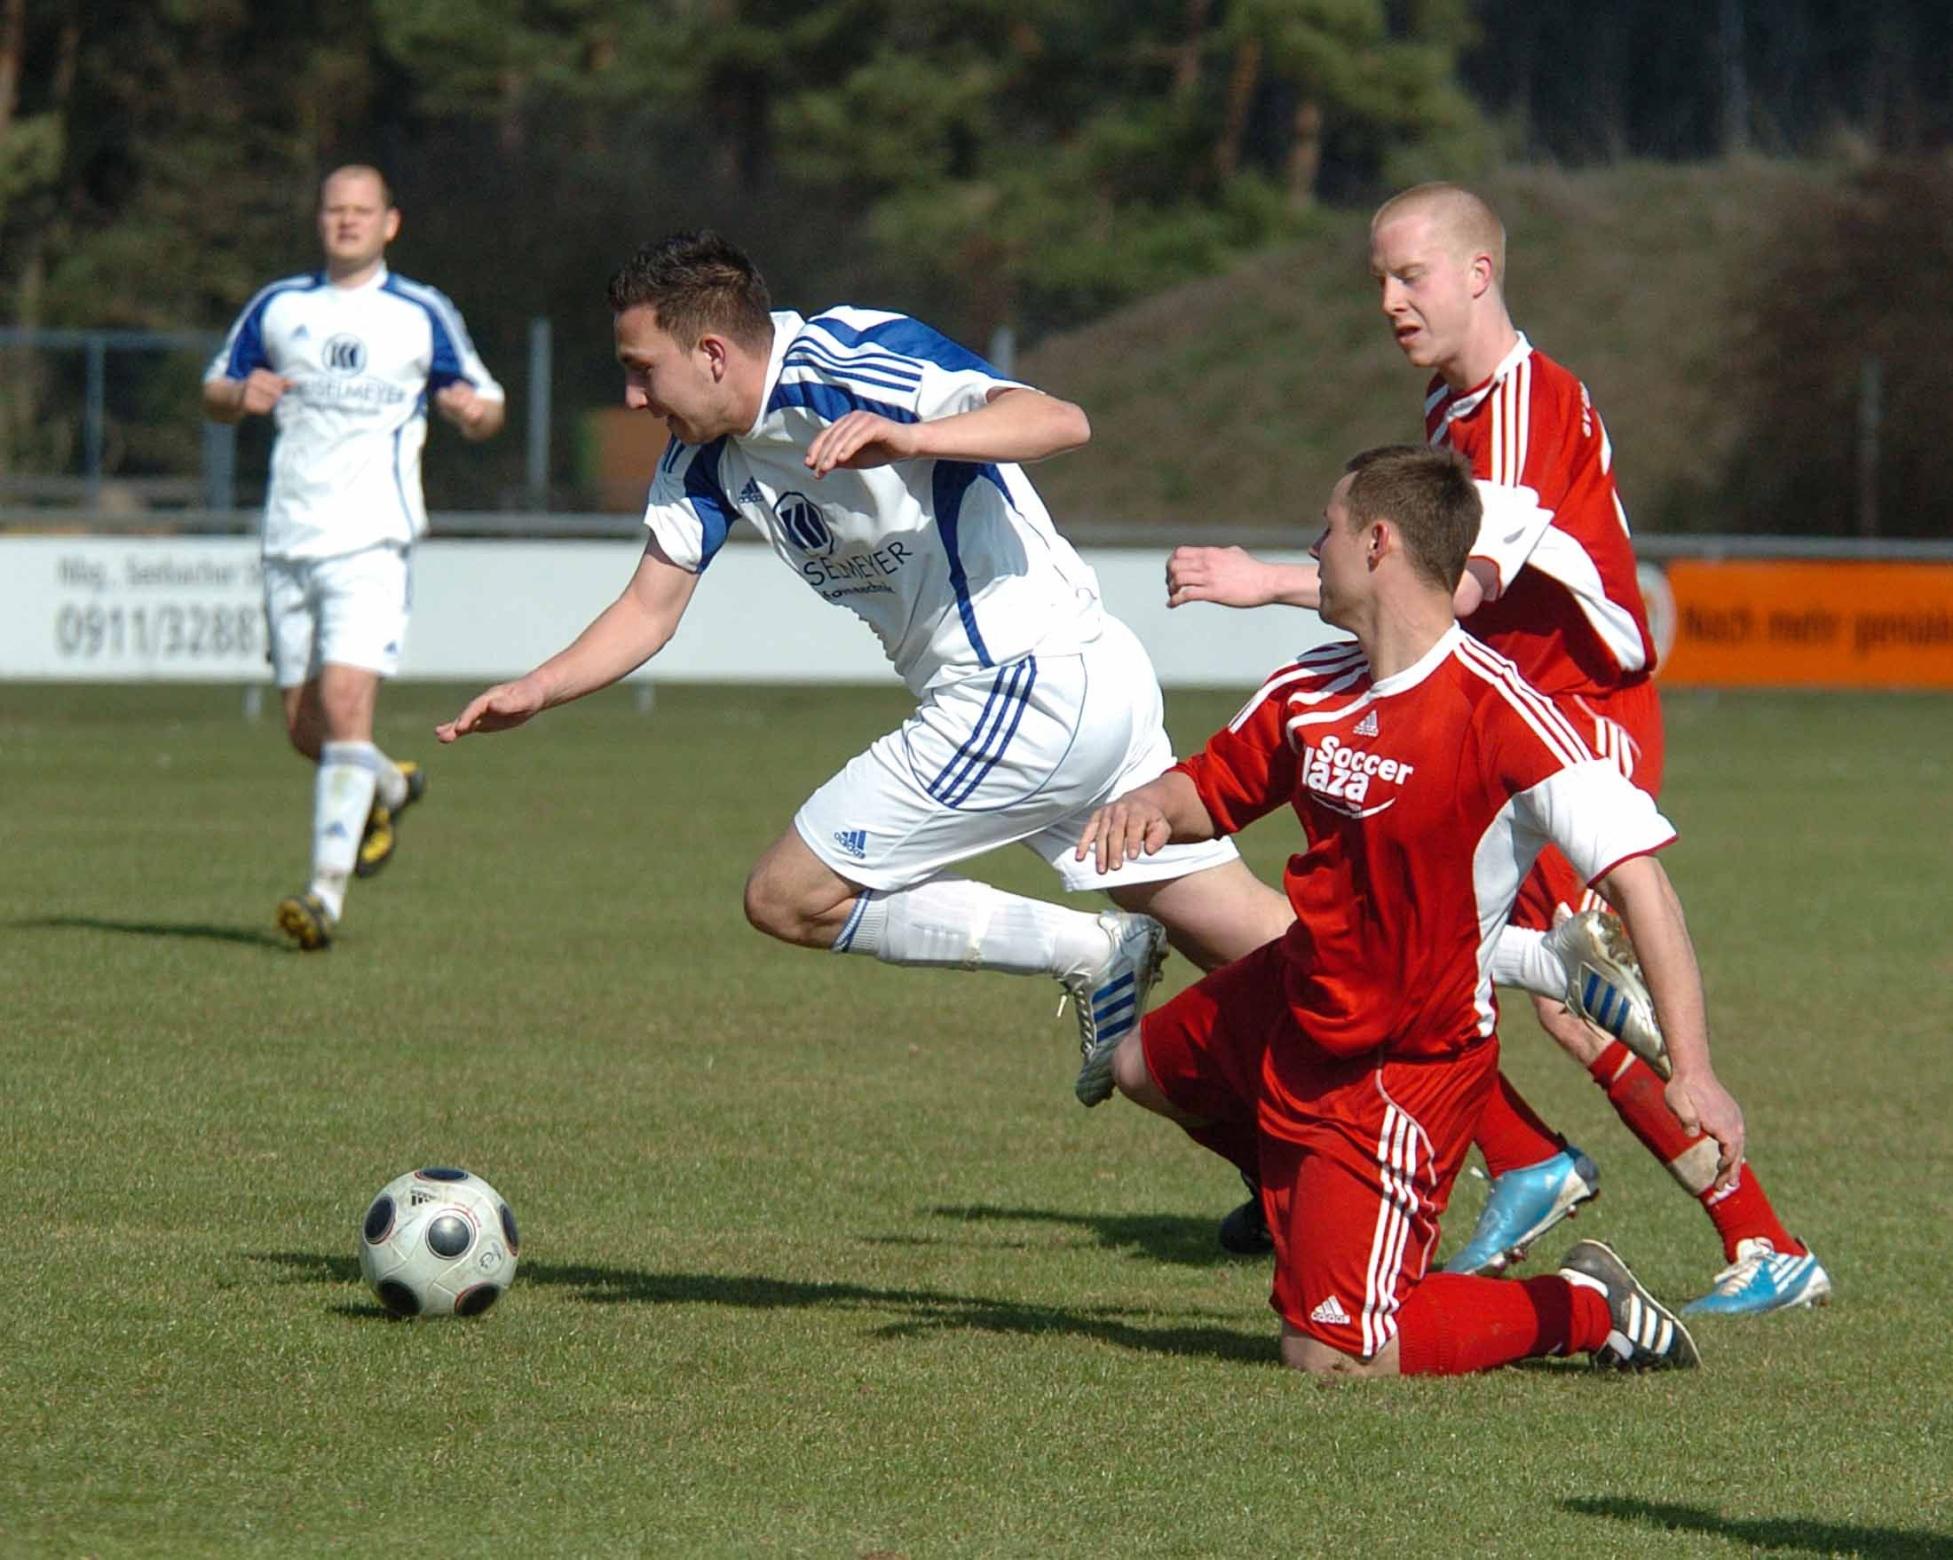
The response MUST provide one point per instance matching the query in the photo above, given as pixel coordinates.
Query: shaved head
(1467, 225)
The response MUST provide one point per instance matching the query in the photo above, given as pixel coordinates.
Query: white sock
(1522, 958)
(954, 923)
(342, 796)
(391, 782)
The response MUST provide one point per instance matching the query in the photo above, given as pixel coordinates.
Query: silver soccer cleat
(1604, 984)
(1110, 999)
(1646, 1335)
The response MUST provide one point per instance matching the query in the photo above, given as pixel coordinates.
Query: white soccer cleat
(1604, 984)
(1110, 998)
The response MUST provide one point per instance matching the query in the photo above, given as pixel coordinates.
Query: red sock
(1451, 1324)
(1738, 1213)
(1510, 1135)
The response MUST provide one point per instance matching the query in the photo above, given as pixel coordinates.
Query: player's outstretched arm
(1162, 812)
(626, 634)
(1014, 426)
(1234, 577)
(1639, 888)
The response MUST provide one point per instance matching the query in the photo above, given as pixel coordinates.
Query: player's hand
(262, 391)
(502, 707)
(860, 440)
(1120, 831)
(1702, 1104)
(460, 405)
(1226, 575)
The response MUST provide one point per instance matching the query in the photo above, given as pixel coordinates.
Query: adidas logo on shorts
(1330, 1313)
(853, 842)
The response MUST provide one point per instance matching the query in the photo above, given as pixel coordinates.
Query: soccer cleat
(1604, 984)
(1524, 1205)
(1646, 1335)
(1110, 999)
(305, 919)
(1244, 1232)
(377, 842)
(1760, 1280)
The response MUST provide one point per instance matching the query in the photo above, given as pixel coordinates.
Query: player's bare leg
(1107, 963)
(1301, 1352)
(1214, 916)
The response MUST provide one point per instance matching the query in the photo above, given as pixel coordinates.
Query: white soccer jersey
(362, 361)
(955, 565)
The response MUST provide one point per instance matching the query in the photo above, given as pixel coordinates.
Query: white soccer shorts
(1018, 755)
(350, 610)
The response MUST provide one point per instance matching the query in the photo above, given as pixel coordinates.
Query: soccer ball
(438, 1242)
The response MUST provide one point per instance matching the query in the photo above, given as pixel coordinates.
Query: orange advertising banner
(1785, 624)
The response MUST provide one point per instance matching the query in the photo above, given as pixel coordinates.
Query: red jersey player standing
(1552, 587)
(1347, 1062)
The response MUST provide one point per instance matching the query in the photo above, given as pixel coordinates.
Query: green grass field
(820, 1257)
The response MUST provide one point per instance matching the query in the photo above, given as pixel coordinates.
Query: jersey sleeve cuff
(1645, 850)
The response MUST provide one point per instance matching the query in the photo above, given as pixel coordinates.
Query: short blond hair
(1467, 220)
(360, 171)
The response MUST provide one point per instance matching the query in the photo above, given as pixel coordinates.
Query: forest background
(1735, 215)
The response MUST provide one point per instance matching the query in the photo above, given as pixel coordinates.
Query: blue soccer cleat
(1760, 1281)
(1111, 998)
(1524, 1205)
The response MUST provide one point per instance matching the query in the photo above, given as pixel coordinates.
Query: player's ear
(717, 354)
(391, 227)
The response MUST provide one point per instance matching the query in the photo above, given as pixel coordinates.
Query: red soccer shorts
(1358, 1154)
(1623, 727)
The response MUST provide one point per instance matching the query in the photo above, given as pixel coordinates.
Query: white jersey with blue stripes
(362, 361)
(955, 565)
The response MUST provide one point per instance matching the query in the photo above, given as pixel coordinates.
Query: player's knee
(772, 908)
(1129, 1071)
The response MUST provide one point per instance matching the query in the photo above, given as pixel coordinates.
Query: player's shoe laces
(305, 919)
(1524, 1205)
(1244, 1232)
(1604, 984)
(1760, 1280)
(377, 842)
(1110, 998)
(1646, 1335)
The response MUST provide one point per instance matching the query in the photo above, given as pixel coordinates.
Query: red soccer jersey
(1570, 612)
(1424, 798)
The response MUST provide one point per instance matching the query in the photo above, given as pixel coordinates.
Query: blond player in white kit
(881, 462)
(346, 360)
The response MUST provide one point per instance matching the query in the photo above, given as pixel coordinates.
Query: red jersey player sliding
(1552, 587)
(1344, 1065)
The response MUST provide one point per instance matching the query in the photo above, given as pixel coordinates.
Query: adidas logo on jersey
(750, 493)
(852, 841)
(1330, 1313)
(1367, 726)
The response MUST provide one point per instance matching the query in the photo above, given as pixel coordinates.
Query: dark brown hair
(1428, 494)
(697, 282)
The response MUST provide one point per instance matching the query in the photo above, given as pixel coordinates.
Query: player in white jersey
(345, 360)
(882, 464)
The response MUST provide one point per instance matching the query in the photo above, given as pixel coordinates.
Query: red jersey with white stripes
(1570, 612)
(1424, 798)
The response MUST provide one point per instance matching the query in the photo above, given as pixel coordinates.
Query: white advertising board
(105, 609)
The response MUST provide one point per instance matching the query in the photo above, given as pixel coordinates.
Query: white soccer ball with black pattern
(438, 1242)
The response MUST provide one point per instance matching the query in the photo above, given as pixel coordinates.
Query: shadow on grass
(250, 937)
(918, 1312)
(1176, 1238)
(1780, 1535)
